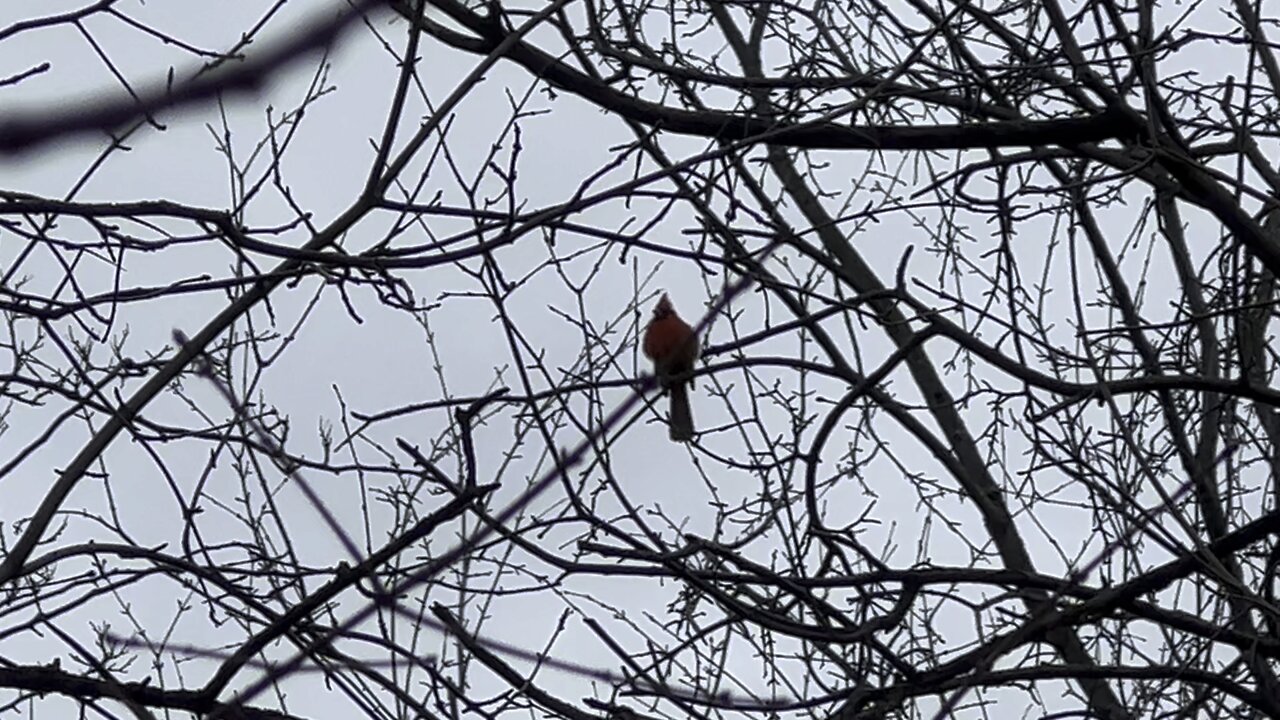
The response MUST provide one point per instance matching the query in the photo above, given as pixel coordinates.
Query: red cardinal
(670, 343)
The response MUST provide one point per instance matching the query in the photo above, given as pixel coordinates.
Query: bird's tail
(681, 414)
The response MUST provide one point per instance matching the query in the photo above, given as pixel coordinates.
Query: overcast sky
(379, 358)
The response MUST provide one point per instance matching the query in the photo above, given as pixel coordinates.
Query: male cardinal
(670, 343)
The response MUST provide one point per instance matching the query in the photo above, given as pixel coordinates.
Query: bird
(673, 347)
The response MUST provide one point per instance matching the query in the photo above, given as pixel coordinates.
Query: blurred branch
(23, 131)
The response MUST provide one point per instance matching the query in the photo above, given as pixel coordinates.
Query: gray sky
(384, 361)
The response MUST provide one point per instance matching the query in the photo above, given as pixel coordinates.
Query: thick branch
(742, 127)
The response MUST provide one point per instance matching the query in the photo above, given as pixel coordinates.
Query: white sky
(384, 362)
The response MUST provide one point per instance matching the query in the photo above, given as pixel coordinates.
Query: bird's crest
(664, 307)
